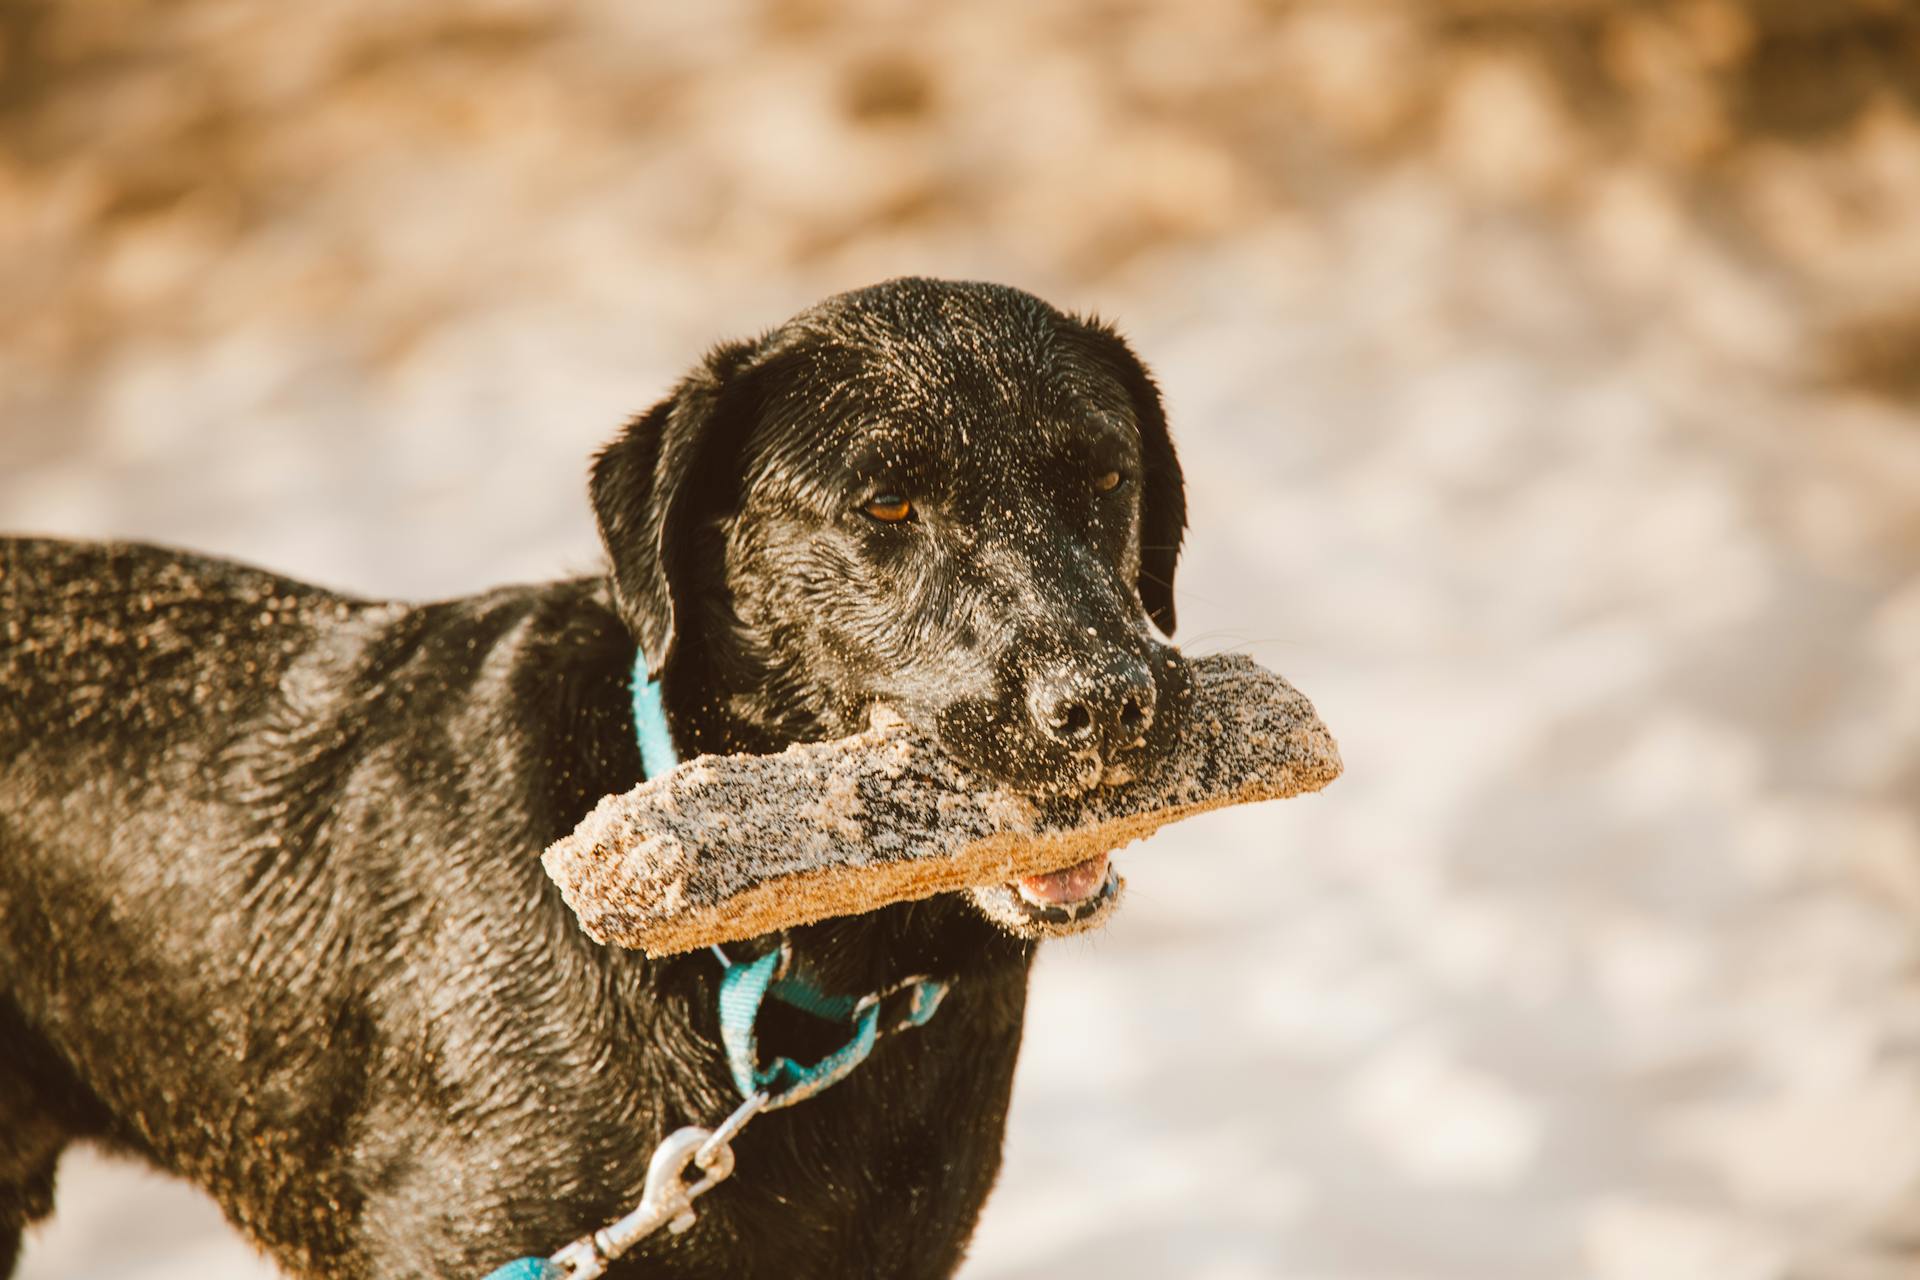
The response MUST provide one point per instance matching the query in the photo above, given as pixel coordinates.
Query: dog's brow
(1104, 432)
(894, 453)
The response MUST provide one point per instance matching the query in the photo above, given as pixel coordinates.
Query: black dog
(271, 914)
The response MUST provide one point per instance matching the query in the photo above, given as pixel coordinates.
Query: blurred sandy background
(1548, 377)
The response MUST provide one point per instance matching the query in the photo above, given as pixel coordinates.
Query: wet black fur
(271, 914)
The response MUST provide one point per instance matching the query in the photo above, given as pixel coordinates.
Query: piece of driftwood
(727, 847)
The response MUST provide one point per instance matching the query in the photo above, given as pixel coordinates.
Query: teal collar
(650, 721)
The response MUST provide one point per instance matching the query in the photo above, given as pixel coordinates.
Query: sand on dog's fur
(728, 847)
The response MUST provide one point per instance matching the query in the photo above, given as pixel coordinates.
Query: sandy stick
(727, 847)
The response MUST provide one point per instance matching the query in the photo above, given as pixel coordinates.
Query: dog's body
(270, 910)
(274, 920)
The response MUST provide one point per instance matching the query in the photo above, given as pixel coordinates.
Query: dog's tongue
(1064, 888)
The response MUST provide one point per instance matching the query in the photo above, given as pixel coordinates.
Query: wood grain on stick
(727, 847)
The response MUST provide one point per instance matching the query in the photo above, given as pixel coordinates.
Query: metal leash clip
(667, 1200)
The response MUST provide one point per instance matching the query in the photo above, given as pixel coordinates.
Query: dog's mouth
(1073, 900)
(1067, 890)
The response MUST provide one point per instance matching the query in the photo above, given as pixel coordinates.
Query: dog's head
(949, 499)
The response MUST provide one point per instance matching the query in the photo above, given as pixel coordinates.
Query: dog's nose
(1108, 709)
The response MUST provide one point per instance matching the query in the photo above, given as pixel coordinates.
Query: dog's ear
(650, 488)
(1163, 489)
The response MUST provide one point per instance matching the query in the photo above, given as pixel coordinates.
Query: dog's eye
(889, 508)
(1107, 481)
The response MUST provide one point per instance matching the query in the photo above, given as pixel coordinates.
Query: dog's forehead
(942, 357)
(948, 370)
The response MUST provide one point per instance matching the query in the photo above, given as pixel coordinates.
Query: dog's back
(252, 837)
(124, 676)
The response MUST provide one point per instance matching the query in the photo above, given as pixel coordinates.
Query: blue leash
(745, 988)
(529, 1269)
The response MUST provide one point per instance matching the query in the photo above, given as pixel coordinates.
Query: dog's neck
(743, 696)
